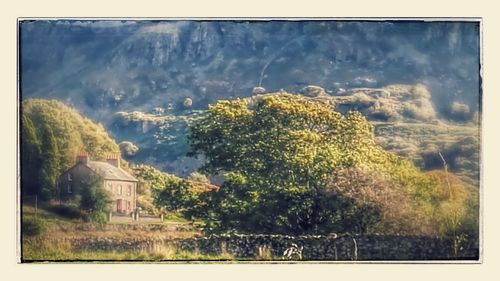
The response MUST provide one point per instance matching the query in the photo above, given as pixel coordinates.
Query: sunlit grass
(40, 249)
(56, 243)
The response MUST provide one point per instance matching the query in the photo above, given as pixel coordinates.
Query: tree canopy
(51, 136)
(161, 191)
(279, 154)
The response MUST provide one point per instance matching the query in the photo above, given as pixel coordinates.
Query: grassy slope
(458, 143)
(57, 242)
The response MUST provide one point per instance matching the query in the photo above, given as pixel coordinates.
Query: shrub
(32, 226)
(199, 177)
(187, 102)
(420, 91)
(95, 200)
(314, 91)
(384, 111)
(127, 148)
(67, 211)
(460, 111)
(376, 203)
(458, 205)
(420, 110)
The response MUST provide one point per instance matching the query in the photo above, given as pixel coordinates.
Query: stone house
(121, 186)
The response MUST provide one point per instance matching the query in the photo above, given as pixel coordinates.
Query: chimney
(82, 157)
(114, 159)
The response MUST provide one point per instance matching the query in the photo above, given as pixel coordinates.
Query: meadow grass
(39, 250)
(56, 243)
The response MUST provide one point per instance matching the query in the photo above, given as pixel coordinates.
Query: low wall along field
(307, 248)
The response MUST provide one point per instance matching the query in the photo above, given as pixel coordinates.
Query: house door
(119, 206)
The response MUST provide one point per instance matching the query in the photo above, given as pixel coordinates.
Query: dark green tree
(30, 157)
(176, 196)
(49, 160)
(95, 200)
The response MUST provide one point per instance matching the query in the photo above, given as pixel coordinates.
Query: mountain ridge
(103, 66)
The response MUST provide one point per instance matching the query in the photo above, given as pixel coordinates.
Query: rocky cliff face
(107, 66)
(134, 67)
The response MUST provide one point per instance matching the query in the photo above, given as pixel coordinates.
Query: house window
(110, 187)
(120, 191)
(129, 190)
(128, 205)
(70, 189)
(70, 178)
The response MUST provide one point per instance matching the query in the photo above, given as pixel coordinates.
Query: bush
(67, 211)
(420, 110)
(187, 102)
(199, 177)
(383, 111)
(128, 148)
(33, 226)
(377, 203)
(95, 200)
(460, 111)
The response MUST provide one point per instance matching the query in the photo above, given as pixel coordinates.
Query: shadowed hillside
(108, 66)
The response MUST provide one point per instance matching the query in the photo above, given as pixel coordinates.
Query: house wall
(71, 182)
(123, 194)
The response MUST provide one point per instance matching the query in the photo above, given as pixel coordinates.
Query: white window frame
(70, 189)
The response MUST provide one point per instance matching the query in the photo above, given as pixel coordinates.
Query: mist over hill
(102, 67)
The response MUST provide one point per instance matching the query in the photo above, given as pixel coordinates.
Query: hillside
(103, 67)
(404, 116)
(134, 76)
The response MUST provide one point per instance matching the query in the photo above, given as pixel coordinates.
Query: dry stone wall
(312, 248)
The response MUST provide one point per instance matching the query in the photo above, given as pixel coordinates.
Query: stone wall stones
(314, 248)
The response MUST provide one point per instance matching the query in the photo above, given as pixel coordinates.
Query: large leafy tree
(279, 153)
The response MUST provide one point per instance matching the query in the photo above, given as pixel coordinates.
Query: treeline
(51, 136)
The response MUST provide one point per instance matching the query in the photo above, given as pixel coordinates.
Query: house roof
(109, 172)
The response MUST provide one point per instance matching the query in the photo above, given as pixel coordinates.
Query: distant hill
(419, 80)
(102, 67)
(404, 116)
